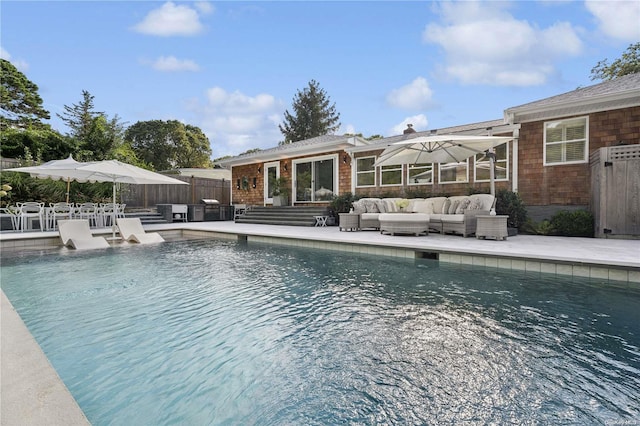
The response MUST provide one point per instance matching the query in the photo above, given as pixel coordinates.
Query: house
(547, 162)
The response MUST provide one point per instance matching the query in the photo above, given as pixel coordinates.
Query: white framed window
(420, 174)
(481, 171)
(365, 171)
(454, 172)
(566, 141)
(391, 175)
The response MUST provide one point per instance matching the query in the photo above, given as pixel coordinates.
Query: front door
(271, 173)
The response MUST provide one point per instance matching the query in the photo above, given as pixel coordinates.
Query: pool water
(218, 332)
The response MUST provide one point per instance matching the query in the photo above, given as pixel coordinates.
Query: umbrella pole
(492, 174)
(113, 213)
(68, 186)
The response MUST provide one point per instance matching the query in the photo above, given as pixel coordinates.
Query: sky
(232, 68)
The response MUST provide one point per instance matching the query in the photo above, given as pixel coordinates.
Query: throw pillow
(381, 205)
(476, 204)
(445, 206)
(359, 207)
(464, 204)
(371, 206)
(453, 206)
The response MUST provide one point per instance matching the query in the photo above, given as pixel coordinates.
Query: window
(316, 179)
(365, 171)
(391, 175)
(565, 141)
(482, 163)
(454, 172)
(420, 174)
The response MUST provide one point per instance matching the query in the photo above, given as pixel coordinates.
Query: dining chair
(29, 211)
(14, 214)
(57, 211)
(88, 211)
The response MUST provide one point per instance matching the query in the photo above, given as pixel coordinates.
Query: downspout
(353, 173)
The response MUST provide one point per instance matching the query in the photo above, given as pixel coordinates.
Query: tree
(629, 63)
(169, 144)
(79, 117)
(20, 103)
(313, 115)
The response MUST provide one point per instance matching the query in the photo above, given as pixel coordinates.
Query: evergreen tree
(20, 103)
(629, 63)
(313, 115)
(79, 117)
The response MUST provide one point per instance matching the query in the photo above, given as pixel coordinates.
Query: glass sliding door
(316, 179)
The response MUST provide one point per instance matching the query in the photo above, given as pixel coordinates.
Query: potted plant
(280, 192)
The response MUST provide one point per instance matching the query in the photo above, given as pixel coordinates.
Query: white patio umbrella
(441, 149)
(99, 171)
(118, 172)
(56, 170)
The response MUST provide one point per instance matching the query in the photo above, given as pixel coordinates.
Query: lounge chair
(76, 233)
(131, 230)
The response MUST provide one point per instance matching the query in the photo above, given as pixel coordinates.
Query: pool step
(286, 215)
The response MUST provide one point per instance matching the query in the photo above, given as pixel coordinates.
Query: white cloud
(617, 19)
(235, 122)
(413, 96)
(204, 7)
(171, 63)
(171, 19)
(20, 64)
(484, 44)
(419, 123)
(347, 129)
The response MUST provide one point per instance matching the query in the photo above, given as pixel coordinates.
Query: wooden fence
(148, 196)
(615, 191)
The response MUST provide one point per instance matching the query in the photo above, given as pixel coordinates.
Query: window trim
(399, 167)
(506, 161)
(586, 141)
(455, 181)
(425, 165)
(375, 175)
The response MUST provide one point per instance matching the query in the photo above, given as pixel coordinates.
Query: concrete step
(286, 215)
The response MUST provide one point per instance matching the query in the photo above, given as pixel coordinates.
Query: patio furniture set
(23, 215)
(465, 215)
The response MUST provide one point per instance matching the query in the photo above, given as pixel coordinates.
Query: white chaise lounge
(131, 230)
(76, 233)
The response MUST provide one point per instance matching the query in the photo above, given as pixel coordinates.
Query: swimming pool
(219, 332)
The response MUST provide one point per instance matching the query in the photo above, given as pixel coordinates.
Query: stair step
(285, 215)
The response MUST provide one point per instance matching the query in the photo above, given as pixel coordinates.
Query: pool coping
(33, 393)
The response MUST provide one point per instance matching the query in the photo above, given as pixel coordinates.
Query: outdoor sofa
(455, 214)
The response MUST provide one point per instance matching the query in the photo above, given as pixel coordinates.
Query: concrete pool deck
(33, 394)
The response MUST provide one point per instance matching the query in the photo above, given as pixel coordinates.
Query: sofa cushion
(437, 203)
(422, 206)
(464, 204)
(485, 201)
(392, 207)
(370, 216)
(371, 206)
(453, 206)
(436, 217)
(381, 205)
(475, 204)
(445, 207)
(359, 207)
(453, 218)
(412, 202)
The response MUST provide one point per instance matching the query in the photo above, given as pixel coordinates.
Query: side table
(349, 221)
(492, 227)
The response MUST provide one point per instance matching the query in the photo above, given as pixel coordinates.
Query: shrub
(509, 203)
(342, 203)
(576, 223)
